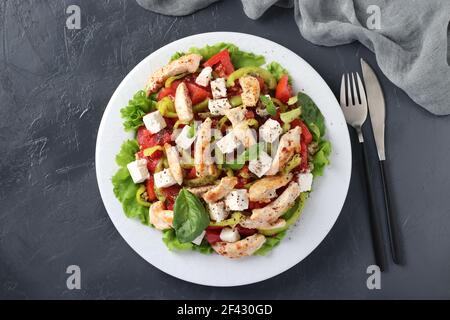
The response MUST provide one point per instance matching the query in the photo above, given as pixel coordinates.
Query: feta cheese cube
(228, 143)
(261, 165)
(270, 131)
(183, 140)
(204, 77)
(218, 107)
(305, 181)
(237, 200)
(217, 211)
(164, 179)
(219, 88)
(138, 170)
(198, 241)
(154, 122)
(230, 235)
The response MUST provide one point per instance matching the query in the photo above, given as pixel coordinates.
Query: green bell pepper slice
(233, 221)
(263, 73)
(236, 101)
(150, 151)
(167, 108)
(140, 196)
(201, 107)
(290, 116)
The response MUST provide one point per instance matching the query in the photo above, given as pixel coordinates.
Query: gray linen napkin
(411, 39)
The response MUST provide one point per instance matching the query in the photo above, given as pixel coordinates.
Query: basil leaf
(190, 217)
(269, 105)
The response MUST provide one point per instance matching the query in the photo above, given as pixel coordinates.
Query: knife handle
(391, 225)
(375, 225)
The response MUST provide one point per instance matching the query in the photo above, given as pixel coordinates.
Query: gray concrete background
(54, 87)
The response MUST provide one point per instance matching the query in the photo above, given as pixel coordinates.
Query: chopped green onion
(290, 116)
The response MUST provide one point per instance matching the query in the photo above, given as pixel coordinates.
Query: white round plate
(322, 208)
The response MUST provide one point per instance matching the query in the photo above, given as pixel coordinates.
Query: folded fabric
(410, 38)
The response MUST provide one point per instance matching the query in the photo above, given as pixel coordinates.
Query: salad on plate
(224, 155)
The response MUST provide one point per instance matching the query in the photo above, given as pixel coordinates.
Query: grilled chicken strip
(289, 144)
(250, 91)
(200, 191)
(186, 64)
(183, 104)
(203, 161)
(276, 209)
(240, 127)
(161, 219)
(256, 224)
(264, 190)
(241, 248)
(174, 163)
(235, 115)
(219, 192)
(244, 134)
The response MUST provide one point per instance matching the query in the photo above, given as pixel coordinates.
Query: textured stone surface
(54, 86)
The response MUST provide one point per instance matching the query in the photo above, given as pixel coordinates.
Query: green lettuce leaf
(311, 114)
(315, 121)
(136, 109)
(278, 71)
(173, 244)
(123, 186)
(239, 58)
(270, 244)
(321, 158)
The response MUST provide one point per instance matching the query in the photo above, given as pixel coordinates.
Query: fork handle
(391, 226)
(375, 226)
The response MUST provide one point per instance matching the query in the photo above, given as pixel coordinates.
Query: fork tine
(355, 92)
(349, 93)
(343, 100)
(362, 92)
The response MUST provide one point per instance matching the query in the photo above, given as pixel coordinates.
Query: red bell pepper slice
(213, 235)
(306, 134)
(244, 232)
(223, 58)
(197, 93)
(304, 155)
(169, 91)
(284, 90)
(151, 189)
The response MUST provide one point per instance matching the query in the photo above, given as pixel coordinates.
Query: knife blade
(377, 107)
